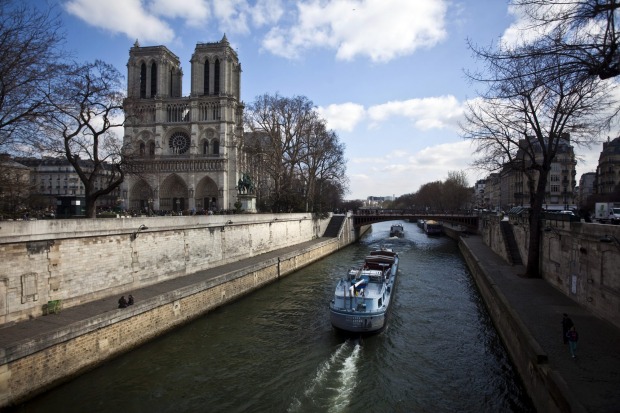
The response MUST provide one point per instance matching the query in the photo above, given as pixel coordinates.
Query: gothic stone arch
(207, 194)
(140, 193)
(173, 194)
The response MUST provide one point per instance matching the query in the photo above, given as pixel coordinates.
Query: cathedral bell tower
(184, 150)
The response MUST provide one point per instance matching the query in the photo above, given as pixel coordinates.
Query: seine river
(275, 350)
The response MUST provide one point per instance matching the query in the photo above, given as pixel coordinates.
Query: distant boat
(397, 230)
(432, 227)
(362, 298)
(421, 223)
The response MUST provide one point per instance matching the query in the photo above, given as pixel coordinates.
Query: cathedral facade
(185, 151)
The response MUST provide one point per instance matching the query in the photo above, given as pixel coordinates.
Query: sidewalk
(593, 377)
(14, 333)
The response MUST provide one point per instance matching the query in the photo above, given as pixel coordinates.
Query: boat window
(380, 301)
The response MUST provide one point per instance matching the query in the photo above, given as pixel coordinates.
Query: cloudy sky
(387, 75)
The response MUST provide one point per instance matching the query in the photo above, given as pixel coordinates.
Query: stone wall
(34, 365)
(545, 387)
(78, 261)
(579, 259)
(576, 260)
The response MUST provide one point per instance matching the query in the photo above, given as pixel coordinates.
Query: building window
(153, 79)
(206, 77)
(142, 148)
(179, 143)
(205, 148)
(216, 78)
(143, 81)
(216, 148)
(152, 148)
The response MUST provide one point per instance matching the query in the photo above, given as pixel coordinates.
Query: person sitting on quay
(122, 303)
(130, 300)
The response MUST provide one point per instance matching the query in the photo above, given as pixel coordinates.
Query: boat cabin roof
(384, 251)
(366, 276)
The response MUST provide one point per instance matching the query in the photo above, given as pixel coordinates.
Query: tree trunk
(91, 207)
(532, 269)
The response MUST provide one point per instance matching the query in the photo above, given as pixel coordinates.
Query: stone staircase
(334, 226)
(511, 243)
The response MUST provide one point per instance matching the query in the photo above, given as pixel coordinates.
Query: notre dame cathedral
(186, 150)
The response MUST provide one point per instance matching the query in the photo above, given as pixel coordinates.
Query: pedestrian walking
(573, 338)
(567, 323)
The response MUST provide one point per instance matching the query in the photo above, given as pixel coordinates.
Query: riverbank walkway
(593, 377)
(14, 334)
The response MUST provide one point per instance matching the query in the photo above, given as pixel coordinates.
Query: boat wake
(332, 386)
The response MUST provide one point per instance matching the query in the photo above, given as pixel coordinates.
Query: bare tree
(457, 193)
(30, 62)
(525, 117)
(88, 109)
(289, 144)
(321, 165)
(15, 187)
(429, 197)
(584, 32)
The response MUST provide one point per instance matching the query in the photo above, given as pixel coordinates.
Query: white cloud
(122, 16)
(232, 15)
(526, 30)
(266, 12)
(379, 29)
(400, 172)
(150, 21)
(426, 113)
(342, 117)
(194, 12)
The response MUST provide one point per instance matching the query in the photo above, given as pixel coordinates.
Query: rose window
(179, 143)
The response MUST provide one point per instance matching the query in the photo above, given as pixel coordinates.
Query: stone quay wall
(565, 246)
(544, 386)
(34, 365)
(81, 260)
(579, 259)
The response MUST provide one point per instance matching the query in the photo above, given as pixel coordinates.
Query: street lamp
(140, 228)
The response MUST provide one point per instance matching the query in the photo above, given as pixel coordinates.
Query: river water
(275, 350)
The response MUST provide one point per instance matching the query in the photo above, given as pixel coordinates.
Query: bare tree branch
(88, 110)
(525, 117)
(30, 62)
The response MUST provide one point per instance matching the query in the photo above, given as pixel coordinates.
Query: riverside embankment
(43, 351)
(527, 314)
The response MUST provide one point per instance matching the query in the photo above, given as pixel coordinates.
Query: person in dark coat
(573, 338)
(567, 323)
(130, 300)
(122, 303)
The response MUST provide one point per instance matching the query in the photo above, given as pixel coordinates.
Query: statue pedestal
(248, 202)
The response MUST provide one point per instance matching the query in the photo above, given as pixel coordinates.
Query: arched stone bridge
(371, 216)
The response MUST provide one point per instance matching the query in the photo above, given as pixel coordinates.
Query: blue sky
(387, 75)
